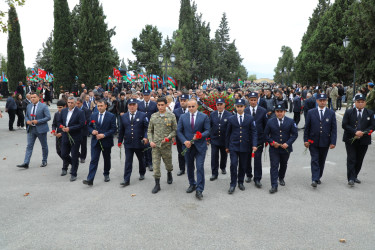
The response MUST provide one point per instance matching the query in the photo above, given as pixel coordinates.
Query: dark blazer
(219, 127)
(76, 123)
(55, 125)
(185, 133)
(309, 104)
(323, 133)
(262, 103)
(288, 133)
(261, 120)
(178, 112)
(108, 128)
(87, 105)
(351, 126)
(297, 104)
(152, 108)
(241, 138)
(132, 135)
(87, 112)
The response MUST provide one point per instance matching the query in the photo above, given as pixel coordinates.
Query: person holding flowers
(71, 122)
(192, 130)
(358, 124)
(319, 136)
(241, 141)
(102, 126)
(57, 132)
(280, 133)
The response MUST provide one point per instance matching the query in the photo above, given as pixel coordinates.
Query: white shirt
(251, 109)
(32, 108)
(358, 112)
(282, 120)
(70, 113)
(324, 110)
(238, 117)
(102, 117)
(195, 117)
(130, 115)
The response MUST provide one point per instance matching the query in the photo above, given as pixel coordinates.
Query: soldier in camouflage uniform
(370, 99)
(334, 95)
(162, 128)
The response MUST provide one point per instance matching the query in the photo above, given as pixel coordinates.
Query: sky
(260, 28)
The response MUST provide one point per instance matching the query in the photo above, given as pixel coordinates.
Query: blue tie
(241, 120)
(100, 119)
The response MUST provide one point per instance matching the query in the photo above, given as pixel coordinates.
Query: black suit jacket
(76, 123)
(351, 125)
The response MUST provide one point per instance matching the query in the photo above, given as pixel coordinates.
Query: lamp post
(166, 66)
(346, 43)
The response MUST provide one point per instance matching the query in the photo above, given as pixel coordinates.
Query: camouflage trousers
(334, 103)
(165, 152)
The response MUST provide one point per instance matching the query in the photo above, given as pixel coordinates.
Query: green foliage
(12, 3)
(3, 64)
(252, 77)
(285, 66)
(16, 70)
(44, 57)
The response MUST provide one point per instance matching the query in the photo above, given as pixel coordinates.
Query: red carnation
(119, 144)
(198, 135)
(175, 143)
(53, 131)
(311, 141)
(61, 126)
(252, 155)
(266, 144)
(166, 139)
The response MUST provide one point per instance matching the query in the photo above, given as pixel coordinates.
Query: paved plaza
(58, 214)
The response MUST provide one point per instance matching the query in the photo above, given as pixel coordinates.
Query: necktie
(281, 122)
(241, 120)
(192, 122)
(253, 111)
(220, 116)
(360, 114)
(100, 119)
(132, 119)
(146, 106)
(33, 117)
(321, 114)
(184, 110)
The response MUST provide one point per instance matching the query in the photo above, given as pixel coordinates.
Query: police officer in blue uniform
(241, 138)
(260, 116)
(297, 108)
(357, 123)
(321, 130)
(280, 132)
(178, 112)
(148, 107)
(218, 124)
(133, 133)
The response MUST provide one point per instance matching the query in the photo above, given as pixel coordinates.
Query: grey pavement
(58, 214)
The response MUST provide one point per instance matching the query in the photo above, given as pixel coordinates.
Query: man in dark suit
(85, 130)
(148, 107)
(178, 112)
(218, 124)
(321, 130)
(241, 138)
(357, 124)
(37, 117)
(188, 125)
(61, 104)
(102, 127)
(133, 132)
(309, 103)
(86, 101)
(72, 120)
(260, 116)
(280, 132)
(261, 102)
(297, 108)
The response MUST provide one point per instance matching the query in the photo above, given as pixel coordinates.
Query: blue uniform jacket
(108, 128)
(152, 108)
(241, 138)
(324, 132)
(261, 120)
(297, 104)
(219, 127)
(132, 135)
(288, 133)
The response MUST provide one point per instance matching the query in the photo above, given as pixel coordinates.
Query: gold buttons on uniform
(240, 141)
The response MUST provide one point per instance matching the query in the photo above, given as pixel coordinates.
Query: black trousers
(215, 159)
(20, 118)
(355, 155)
(58, 151)
(181, 158)
(70, 153)
(12, 117)
(297, 117)
(83, 153)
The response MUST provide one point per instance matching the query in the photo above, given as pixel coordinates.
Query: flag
(109, 79)
(172, 81)
(240, 81)
(33, 72)
(116, 72)
(41, 73)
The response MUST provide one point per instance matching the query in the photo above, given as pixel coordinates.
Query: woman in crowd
(20, 110)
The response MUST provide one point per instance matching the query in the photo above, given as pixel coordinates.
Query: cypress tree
(63, 50)
(16, 65)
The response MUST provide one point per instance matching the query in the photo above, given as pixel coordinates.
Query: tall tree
(16, 60)
(96, 56)
(3, 64)
(285, 66)
(63, 50)
(12, 3)
(44, 58)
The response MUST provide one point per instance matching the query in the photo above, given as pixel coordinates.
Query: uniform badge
(295, 125)
(227, 120)
(368, 118)
(327, 120)
(254, 124)
(137, 120)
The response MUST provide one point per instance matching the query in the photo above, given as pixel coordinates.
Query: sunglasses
(191, 107)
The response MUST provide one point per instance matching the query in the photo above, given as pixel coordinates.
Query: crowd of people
(149, 122)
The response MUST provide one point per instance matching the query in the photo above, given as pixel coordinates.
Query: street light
(346, 43)
(166, 66)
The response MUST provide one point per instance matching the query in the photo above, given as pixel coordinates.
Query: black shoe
(191, 189)
(170, 178)
(351, 183)
(231, 190)
(223, 171)
(86, 182)
(314, 184)
(150, 168)
(73, 178)
(157, 186)
(181, 172)
(199, 195)
(357, 181)
(44, 164)
(258, 184)
(125, 183)
(106, 178)
(273, 190)
(141, 177)
(63, 172)
(212, 178)
(23, 165)
(318, 182)
(241, 186)
(248, 179)
(82, 160)
(282, 182)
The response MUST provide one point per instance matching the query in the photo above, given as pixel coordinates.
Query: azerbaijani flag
(172, 81)
(240, 81)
